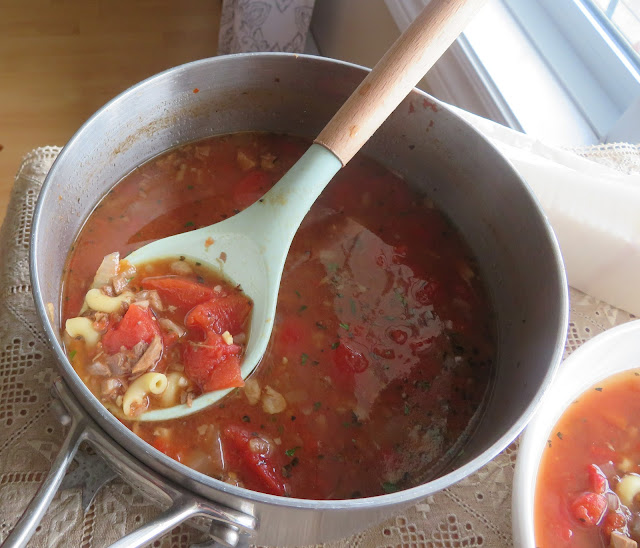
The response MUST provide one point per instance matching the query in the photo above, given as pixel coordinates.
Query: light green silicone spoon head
(256, 241)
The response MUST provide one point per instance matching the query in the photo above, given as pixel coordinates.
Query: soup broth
(588, 485)
(383, 344)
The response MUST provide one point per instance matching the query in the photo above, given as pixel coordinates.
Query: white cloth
(591, 197)
(264, 25)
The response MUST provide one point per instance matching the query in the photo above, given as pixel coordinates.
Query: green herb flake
(345, 326)
(339, 295)
(335, 345)
(317, 405)
(72, 355)
(320, 325)
(407, 409)
(424, 385)
(188, 224)
(303, 358)
(298, 294)
(353, 306)
(389, 487)
(190, 187)
(332, 267)
(246, 418)
(346, 424)
(292, 451)
(302, 308)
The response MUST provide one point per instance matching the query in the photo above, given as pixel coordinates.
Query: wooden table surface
(61, 60)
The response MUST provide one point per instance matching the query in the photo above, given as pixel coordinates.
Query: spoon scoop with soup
(251, 247)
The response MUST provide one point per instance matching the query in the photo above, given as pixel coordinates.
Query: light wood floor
(61, 60)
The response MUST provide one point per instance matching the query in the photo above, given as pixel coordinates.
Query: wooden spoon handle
(393, 77)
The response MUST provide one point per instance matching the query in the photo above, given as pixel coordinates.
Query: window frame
(590, 84)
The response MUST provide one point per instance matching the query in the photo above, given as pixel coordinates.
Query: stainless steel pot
(426, 143)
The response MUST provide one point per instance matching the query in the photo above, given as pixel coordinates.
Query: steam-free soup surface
(588, 485)
(383, 346)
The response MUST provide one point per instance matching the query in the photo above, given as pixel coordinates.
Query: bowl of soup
(421, 316)
(577, 479)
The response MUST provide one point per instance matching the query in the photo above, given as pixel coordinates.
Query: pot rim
(95, 408)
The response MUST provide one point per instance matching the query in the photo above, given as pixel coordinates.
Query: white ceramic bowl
(615, 350)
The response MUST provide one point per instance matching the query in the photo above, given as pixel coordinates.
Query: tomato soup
(384, 340)
(588, 487)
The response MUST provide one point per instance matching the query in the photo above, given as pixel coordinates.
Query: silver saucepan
(423, 141)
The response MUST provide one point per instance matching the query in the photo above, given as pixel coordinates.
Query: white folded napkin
(593, 209)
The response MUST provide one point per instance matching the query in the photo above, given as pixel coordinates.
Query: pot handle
(182, 509)
(37, 508)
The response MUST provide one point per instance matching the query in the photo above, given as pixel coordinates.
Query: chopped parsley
(72, 354)
(389, 487)
(353, 307)
(246, 418)
(298, 294)
(407, 409)
(345, 326)
(335, 345)
(424, 385)
(188, 224)
(302, 308)
(303, 358)
(401, 297)
(332, 267)
(292, 451)
(317, 405)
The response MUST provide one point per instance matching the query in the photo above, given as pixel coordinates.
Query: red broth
(383, 344)
(587, 482)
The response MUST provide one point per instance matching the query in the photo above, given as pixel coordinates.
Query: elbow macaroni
(149, 383)
(176, 383)
(82, 327)
(98, 301)
(628, 489)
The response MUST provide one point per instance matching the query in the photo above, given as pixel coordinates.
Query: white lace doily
(475, 512)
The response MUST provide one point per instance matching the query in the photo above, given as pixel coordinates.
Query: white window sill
(493, 70)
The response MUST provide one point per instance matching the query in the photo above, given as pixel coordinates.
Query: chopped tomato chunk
(213, 364)
(597, 480)
(350, 358)
(589, 508)
(220, 314)
(165, 446)
(614, 521)
(259, 471)
(138, 324)
(178, 291)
